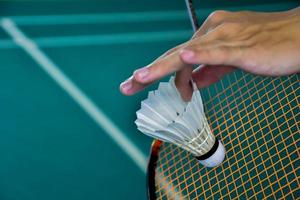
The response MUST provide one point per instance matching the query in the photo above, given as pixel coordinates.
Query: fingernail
(127, 85)
(142, 73)
(187, 54)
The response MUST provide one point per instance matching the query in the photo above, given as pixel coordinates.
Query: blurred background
(53, 146)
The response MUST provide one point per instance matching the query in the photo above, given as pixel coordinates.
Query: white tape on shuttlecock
(165, 116)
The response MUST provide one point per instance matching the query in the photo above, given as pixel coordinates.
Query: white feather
(165, 116)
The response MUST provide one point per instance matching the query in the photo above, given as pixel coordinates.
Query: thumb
(206, 75)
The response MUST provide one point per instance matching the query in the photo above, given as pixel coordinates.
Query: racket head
(258, 121)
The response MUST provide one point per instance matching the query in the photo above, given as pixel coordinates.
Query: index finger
(159, 68)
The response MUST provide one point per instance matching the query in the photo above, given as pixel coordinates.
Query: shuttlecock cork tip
(215, 156)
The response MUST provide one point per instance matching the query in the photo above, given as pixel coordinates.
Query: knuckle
(218, 15)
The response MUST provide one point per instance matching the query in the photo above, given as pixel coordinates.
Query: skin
(265, 44)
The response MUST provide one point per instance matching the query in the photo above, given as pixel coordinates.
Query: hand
(260, 43)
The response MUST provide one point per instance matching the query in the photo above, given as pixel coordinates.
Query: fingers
(175, 60)
(183, 82)
(159, 69)
(170, 52)
(215, 56)
(130, 86)
(206, 75)
(222, 46)
(183, 76)
(209, 51)
(144, 76)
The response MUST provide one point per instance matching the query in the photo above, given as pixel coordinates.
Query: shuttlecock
(165, 116)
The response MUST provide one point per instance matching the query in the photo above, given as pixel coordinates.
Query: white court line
(83, 100)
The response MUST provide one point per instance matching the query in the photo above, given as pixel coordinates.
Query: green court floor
(55, 144)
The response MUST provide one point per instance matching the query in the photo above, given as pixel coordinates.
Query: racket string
(253, 185)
